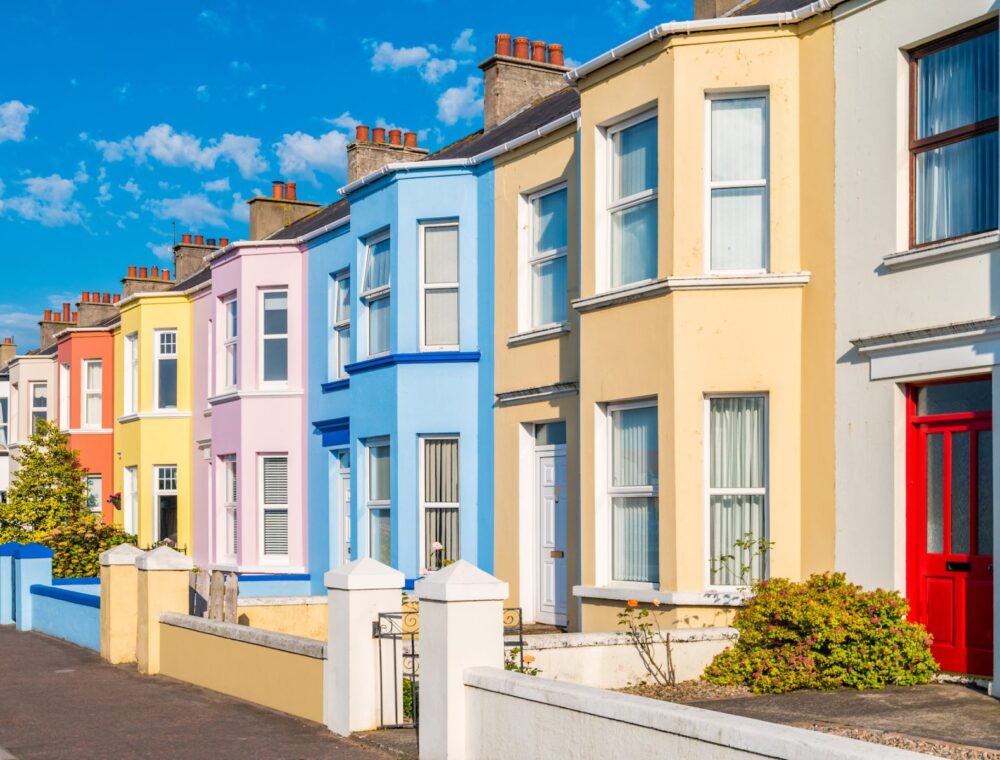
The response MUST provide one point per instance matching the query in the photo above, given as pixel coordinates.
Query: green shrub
(824, 633)
(77, 546)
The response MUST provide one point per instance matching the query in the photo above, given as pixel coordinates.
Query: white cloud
(463, 43)
(81, 175)
(14, 120)
(572, 62)
(216, 185)
(131, 188)
(212, 21)
(239, 66)
(103, 195)
(388, 56)
(302, 154)
(201, 92)
(173, 148)
(436, 68)
(193, 209)
(48, 200)
(19, 324)
(163, 251)
(640, 5)
(240, 211)
(345, 120)
(458, 103)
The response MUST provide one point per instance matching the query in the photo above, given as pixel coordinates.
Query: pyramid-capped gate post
(162, 587)
(461, 627)
(32, 566)
(7, 582)
(119, 602)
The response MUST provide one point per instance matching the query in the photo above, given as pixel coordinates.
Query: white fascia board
(278, 242)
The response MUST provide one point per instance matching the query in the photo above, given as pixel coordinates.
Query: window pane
(550, 222)
(550, 434)
(441, 254)
(167, 383)
(276, 532)
(378, 473)
(378, 326)
(94, 376)
(960, 483)
(93, 409)
(949, 398)
(548, 292)
(736, 445)
(3, 421)
(276, 313)
(984, 492)
(634, 447)
(441, 313)
(635, 539)
(738, 218)
(275, 360)
(633, 244)
(738, 139)
(275, 480)
(635, 159)
(232, 325)
(343, 310)
(957, 85)
(377, 266)
(94, 493)
(440, 537)
(343, 350)
(167, 508)
(736, 518)
(168, 343)
(380, 535)
(935, 493)
(231, 364)
(957, 189)
(441, 471)
(39, 395)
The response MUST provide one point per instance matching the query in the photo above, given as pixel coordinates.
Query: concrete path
(59, 701)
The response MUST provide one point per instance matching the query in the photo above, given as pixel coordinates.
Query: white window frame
(229, 545)
(438, 286)
(527, 259)
(603, 452)
(131, 379)
(32, 409)
(64, 394)
(130, 499)
(158, 355)
(88, 479)
(158, 492)
(381, 293)
(604, 185)
(263, 292)
(273, 559)
(422, 493)
(710, 184)
(709, 492)
(4, 422)
(86, 393)
(230, 341)
(341, 324)
(370, 503)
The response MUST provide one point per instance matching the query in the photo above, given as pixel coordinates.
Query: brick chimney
(145, 280)
(714, 8)
(94, 308)
(7, 351)
(191, 252)
(369, 151)
(514, 79)
(268, 215)
(54, 322)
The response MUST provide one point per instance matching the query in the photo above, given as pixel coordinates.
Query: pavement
(949, 713)
(58, 701)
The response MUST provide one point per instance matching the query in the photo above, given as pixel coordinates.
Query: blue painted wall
(68, 615)
(252, 586)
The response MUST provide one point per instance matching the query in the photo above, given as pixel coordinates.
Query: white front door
(344, 488)
(551, 510)
(129, 500)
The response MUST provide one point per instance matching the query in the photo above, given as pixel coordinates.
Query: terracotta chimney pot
(131, 273)
(379, 135)
(410, 139)
(503, 45)
(154, 273)
(277, 189)
(290, 192)
(395, 137)
(106, 298)
(116, 298)
(85, 297)
(48, 315)
(211, 242)
(199, 240)
(361, 133)
(521, 47)
(186, 237)
(166, 274)
(95, 297)
(556, 55)
(143, 273)
(223, 242)
(538, 51)
(65, 312)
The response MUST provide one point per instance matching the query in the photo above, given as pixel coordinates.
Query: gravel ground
(689, 691)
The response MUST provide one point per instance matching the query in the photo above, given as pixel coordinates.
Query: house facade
(706, 289)
(917, 306)
(8, 350)
(32, 380)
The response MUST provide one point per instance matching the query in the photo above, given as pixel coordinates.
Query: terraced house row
(730, 283)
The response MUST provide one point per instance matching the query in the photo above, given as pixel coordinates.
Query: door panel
(551, 510)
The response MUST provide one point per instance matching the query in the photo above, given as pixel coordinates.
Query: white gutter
(279, 241)
(69, 330)
(703, 25)
(446, 163)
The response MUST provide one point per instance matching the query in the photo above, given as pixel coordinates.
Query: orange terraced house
(84, 387)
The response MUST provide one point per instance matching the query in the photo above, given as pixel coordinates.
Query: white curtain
(378, 473)
(441, 315)
(378, 326)
(733, 518)
(634, 447)
(634, 229)
(93, 395)
(738, 139)
(957, 189)
(377, 269)
(550, 222)
(548, 292)
(380, 535)
(957, 85)
(635, 520)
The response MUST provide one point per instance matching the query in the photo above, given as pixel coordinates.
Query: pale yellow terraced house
(704, 315)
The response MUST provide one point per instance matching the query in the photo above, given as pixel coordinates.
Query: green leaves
(824, 633)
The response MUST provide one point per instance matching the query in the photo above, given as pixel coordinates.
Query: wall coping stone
(7, 549)
(461, 581)
(123, 554)
(247, 635)
(279, 601)
(365, 574)
(65, 595)
(32, 551)
(164, 558)
(539, 641)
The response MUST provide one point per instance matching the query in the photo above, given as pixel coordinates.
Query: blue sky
(126, 117)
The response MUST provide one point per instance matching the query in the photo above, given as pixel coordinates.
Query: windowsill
(263, 569)
(282, 392)
(222, 398)
(951, 249)
(89, 431)
(539, 334)
(653, 288)
(163, 414)
(710, 598)
(336, 385)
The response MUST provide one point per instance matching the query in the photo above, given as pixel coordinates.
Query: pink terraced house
(249, 399)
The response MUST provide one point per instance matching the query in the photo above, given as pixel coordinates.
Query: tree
(48, 491)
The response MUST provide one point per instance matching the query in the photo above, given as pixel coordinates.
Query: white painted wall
(4, 454)
(24, 371)
(872, 198)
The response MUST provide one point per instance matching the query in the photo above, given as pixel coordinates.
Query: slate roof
(542, 112)
(199, 277)
(759, 7)
(319, 218)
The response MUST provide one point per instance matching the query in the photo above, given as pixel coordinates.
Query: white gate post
(358, 592)
(461, 626)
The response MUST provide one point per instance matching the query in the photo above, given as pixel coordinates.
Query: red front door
(950, 530)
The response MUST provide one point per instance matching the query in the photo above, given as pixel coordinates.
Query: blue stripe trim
(76, 581)
(426, 357)
(275, 577)
(74, 597)
(328, 426)
(336, 385)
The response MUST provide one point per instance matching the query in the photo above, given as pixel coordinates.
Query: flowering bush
(824, 633)
(77, 546)
(645, 635)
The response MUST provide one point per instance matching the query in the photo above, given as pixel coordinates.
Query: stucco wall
(24, 371)
(74, 620)
(296, 616)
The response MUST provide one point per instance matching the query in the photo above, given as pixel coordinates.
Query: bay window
(379, 502)
(92, 371)
(439, 286)
(341, 323)
(440, 502)
(376, 294)
(230, 341)
(131, 385)
(39, 400)
(546, 276)
(633, 492)
(632, 200)
(274, 337)
(737, 489)
(165, 377)
(274, 490)
(737, 201)
(953, 136)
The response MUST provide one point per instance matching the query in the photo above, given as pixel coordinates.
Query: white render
(4, 451)
(24, 370)
(882, 289)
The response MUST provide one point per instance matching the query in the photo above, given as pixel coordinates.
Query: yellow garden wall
(307, 620)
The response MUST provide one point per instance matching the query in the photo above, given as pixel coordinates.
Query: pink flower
(437, 546)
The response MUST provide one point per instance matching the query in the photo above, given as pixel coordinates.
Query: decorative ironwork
(398, 633)
(513, 632)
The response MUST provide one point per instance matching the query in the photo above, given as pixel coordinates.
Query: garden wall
(67, 614)
(295, 615)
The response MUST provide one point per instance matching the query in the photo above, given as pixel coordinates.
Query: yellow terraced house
(153, 451)
(705, 315)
